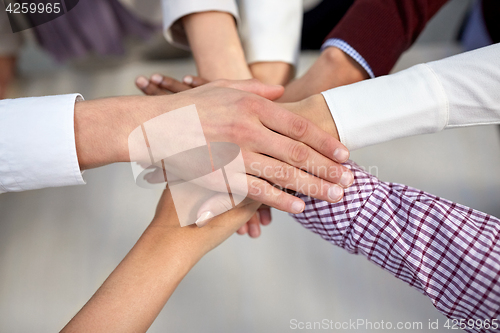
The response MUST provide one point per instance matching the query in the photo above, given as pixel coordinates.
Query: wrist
(102, 127)
(346, 69)
(315, 109)
(272, 72)
(176, 244)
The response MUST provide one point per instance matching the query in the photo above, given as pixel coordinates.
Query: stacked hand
(290, 172)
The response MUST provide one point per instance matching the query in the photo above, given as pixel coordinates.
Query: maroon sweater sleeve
(381, 30)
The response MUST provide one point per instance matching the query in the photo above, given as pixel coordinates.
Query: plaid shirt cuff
(340, 44)
(447, 251)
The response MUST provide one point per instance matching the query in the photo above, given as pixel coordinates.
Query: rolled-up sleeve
(37, 143)
(271, 30)
(174, 10)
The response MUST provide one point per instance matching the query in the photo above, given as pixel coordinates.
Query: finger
(169, 83)
(243, 229)
(301, 156)
(289, 177)
(265, 215)
(254, 225)
(254, 86)
(148, 87)
(261, 191)
(216, 205)
(194, 81)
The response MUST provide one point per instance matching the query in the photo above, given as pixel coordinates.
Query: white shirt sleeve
(271, 30)
(462, 90)
(37, 143)
(173, 10)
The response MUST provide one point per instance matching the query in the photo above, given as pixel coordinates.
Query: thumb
(216, 205)
(254, 86)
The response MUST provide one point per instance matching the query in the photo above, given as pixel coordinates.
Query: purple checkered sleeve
(447, 251)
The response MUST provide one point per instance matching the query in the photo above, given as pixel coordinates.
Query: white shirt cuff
(173, 11)
(271, 30)
(408, 103)
(37, 143)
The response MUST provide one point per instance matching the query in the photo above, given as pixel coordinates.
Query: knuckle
(299, 152)
(299, 127)
(255, 188)
(279, 198)
(283, 172)
(324, 145)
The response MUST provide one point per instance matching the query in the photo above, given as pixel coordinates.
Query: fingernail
(341, 155)
(157, 78)
(346, 179)
(188, 79)
(335, 193)
(298, 207)
(142, 82)
(203, 219)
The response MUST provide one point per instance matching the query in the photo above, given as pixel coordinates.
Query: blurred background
(58, 245)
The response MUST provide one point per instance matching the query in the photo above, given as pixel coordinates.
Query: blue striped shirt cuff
(340, 44)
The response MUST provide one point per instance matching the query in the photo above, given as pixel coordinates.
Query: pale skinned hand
(163, 85)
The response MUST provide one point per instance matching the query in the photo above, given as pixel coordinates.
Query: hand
(315, 110)
(269, 136)
(278, 146)
(7, 73)
(333, 69)
(201, 240)
(165, 85)
(252, 227)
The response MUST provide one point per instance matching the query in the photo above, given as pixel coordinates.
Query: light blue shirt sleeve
(341, 44)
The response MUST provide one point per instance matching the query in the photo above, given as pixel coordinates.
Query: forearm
(439, 247)
(134, 294)
(333, 69)
(216, 46)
